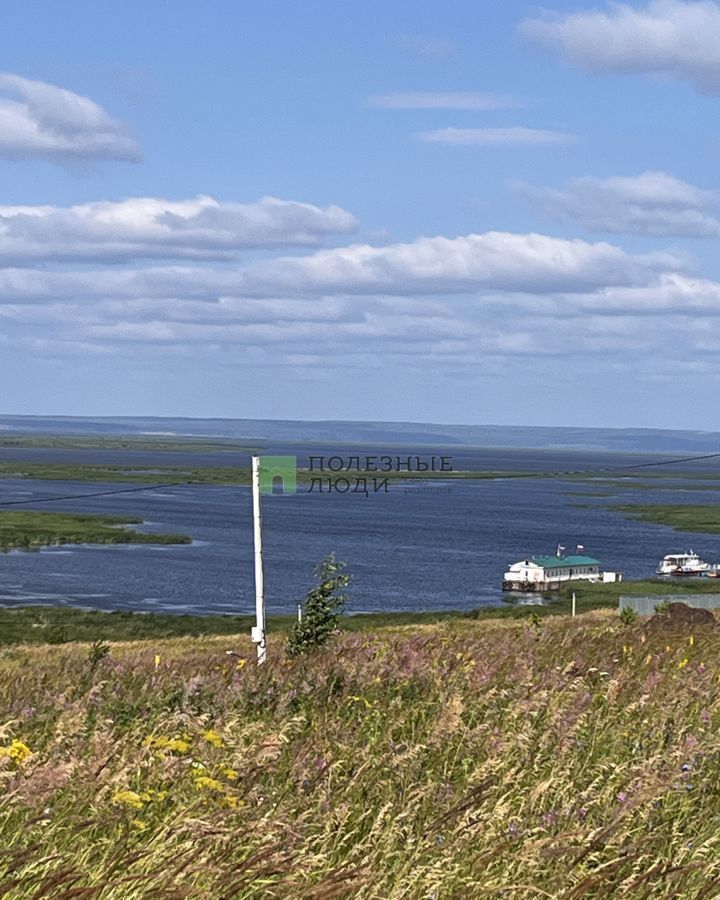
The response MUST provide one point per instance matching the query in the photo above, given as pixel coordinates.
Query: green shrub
(320, 617)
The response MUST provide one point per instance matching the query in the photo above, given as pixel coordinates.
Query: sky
(454, 212)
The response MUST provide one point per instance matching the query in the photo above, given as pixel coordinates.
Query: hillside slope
(572, 758)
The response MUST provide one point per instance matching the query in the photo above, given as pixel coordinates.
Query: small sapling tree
(321, 609)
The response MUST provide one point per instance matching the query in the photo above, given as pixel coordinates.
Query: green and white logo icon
(283, 468)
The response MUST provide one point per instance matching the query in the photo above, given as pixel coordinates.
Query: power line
(599, 470)
(132, 490)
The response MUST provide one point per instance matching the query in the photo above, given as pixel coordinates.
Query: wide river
(407, 550)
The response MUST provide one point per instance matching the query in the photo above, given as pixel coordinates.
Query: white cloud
(670, 37)
(510, 137)
(472, 100)
(201, 228)
(653, 203)
(671, 292)
(498, 262)
(491, 261)
(473, 302)
(39, 120)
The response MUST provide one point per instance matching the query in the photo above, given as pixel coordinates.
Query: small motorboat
(679, 564)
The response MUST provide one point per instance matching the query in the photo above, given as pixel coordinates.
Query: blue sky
(460, 212)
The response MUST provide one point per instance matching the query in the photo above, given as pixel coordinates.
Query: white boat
(682, 564)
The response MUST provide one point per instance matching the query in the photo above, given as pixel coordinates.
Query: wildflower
(212, 737)
(621, 797)
(648, 659)
(17, 752)
(127, 798)
(139, 825)
(356, 699)
(232, 802)
(691, 640)
(241, 663)
(157, 660)
(174, 745)
(683, 663)
(204, 782)
(230, 774)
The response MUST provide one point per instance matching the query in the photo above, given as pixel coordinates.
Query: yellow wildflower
(355, 699)
(127, 798)
(683, 663)
(139, 825)
(18, 752)
(204, 782)
(174, 745)
(212, 737)
(241, 663)
(157, 660)
(691, 640)
(230, 774)
(232, 802)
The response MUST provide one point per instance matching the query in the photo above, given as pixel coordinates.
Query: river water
(442, 549)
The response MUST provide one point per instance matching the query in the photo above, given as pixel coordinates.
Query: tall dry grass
(576, 759)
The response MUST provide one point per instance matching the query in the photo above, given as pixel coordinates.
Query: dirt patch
(682, 614)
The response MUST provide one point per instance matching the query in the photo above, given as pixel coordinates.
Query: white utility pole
(258, 632)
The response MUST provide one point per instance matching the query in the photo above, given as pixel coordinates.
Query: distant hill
(645, 440)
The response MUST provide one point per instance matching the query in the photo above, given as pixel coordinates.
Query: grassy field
(32, 530)
(563, 759)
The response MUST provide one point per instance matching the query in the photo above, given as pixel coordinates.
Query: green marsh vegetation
(126, 474)
(218, 475)
(123, 442)
(30, 530)
(682, 517)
